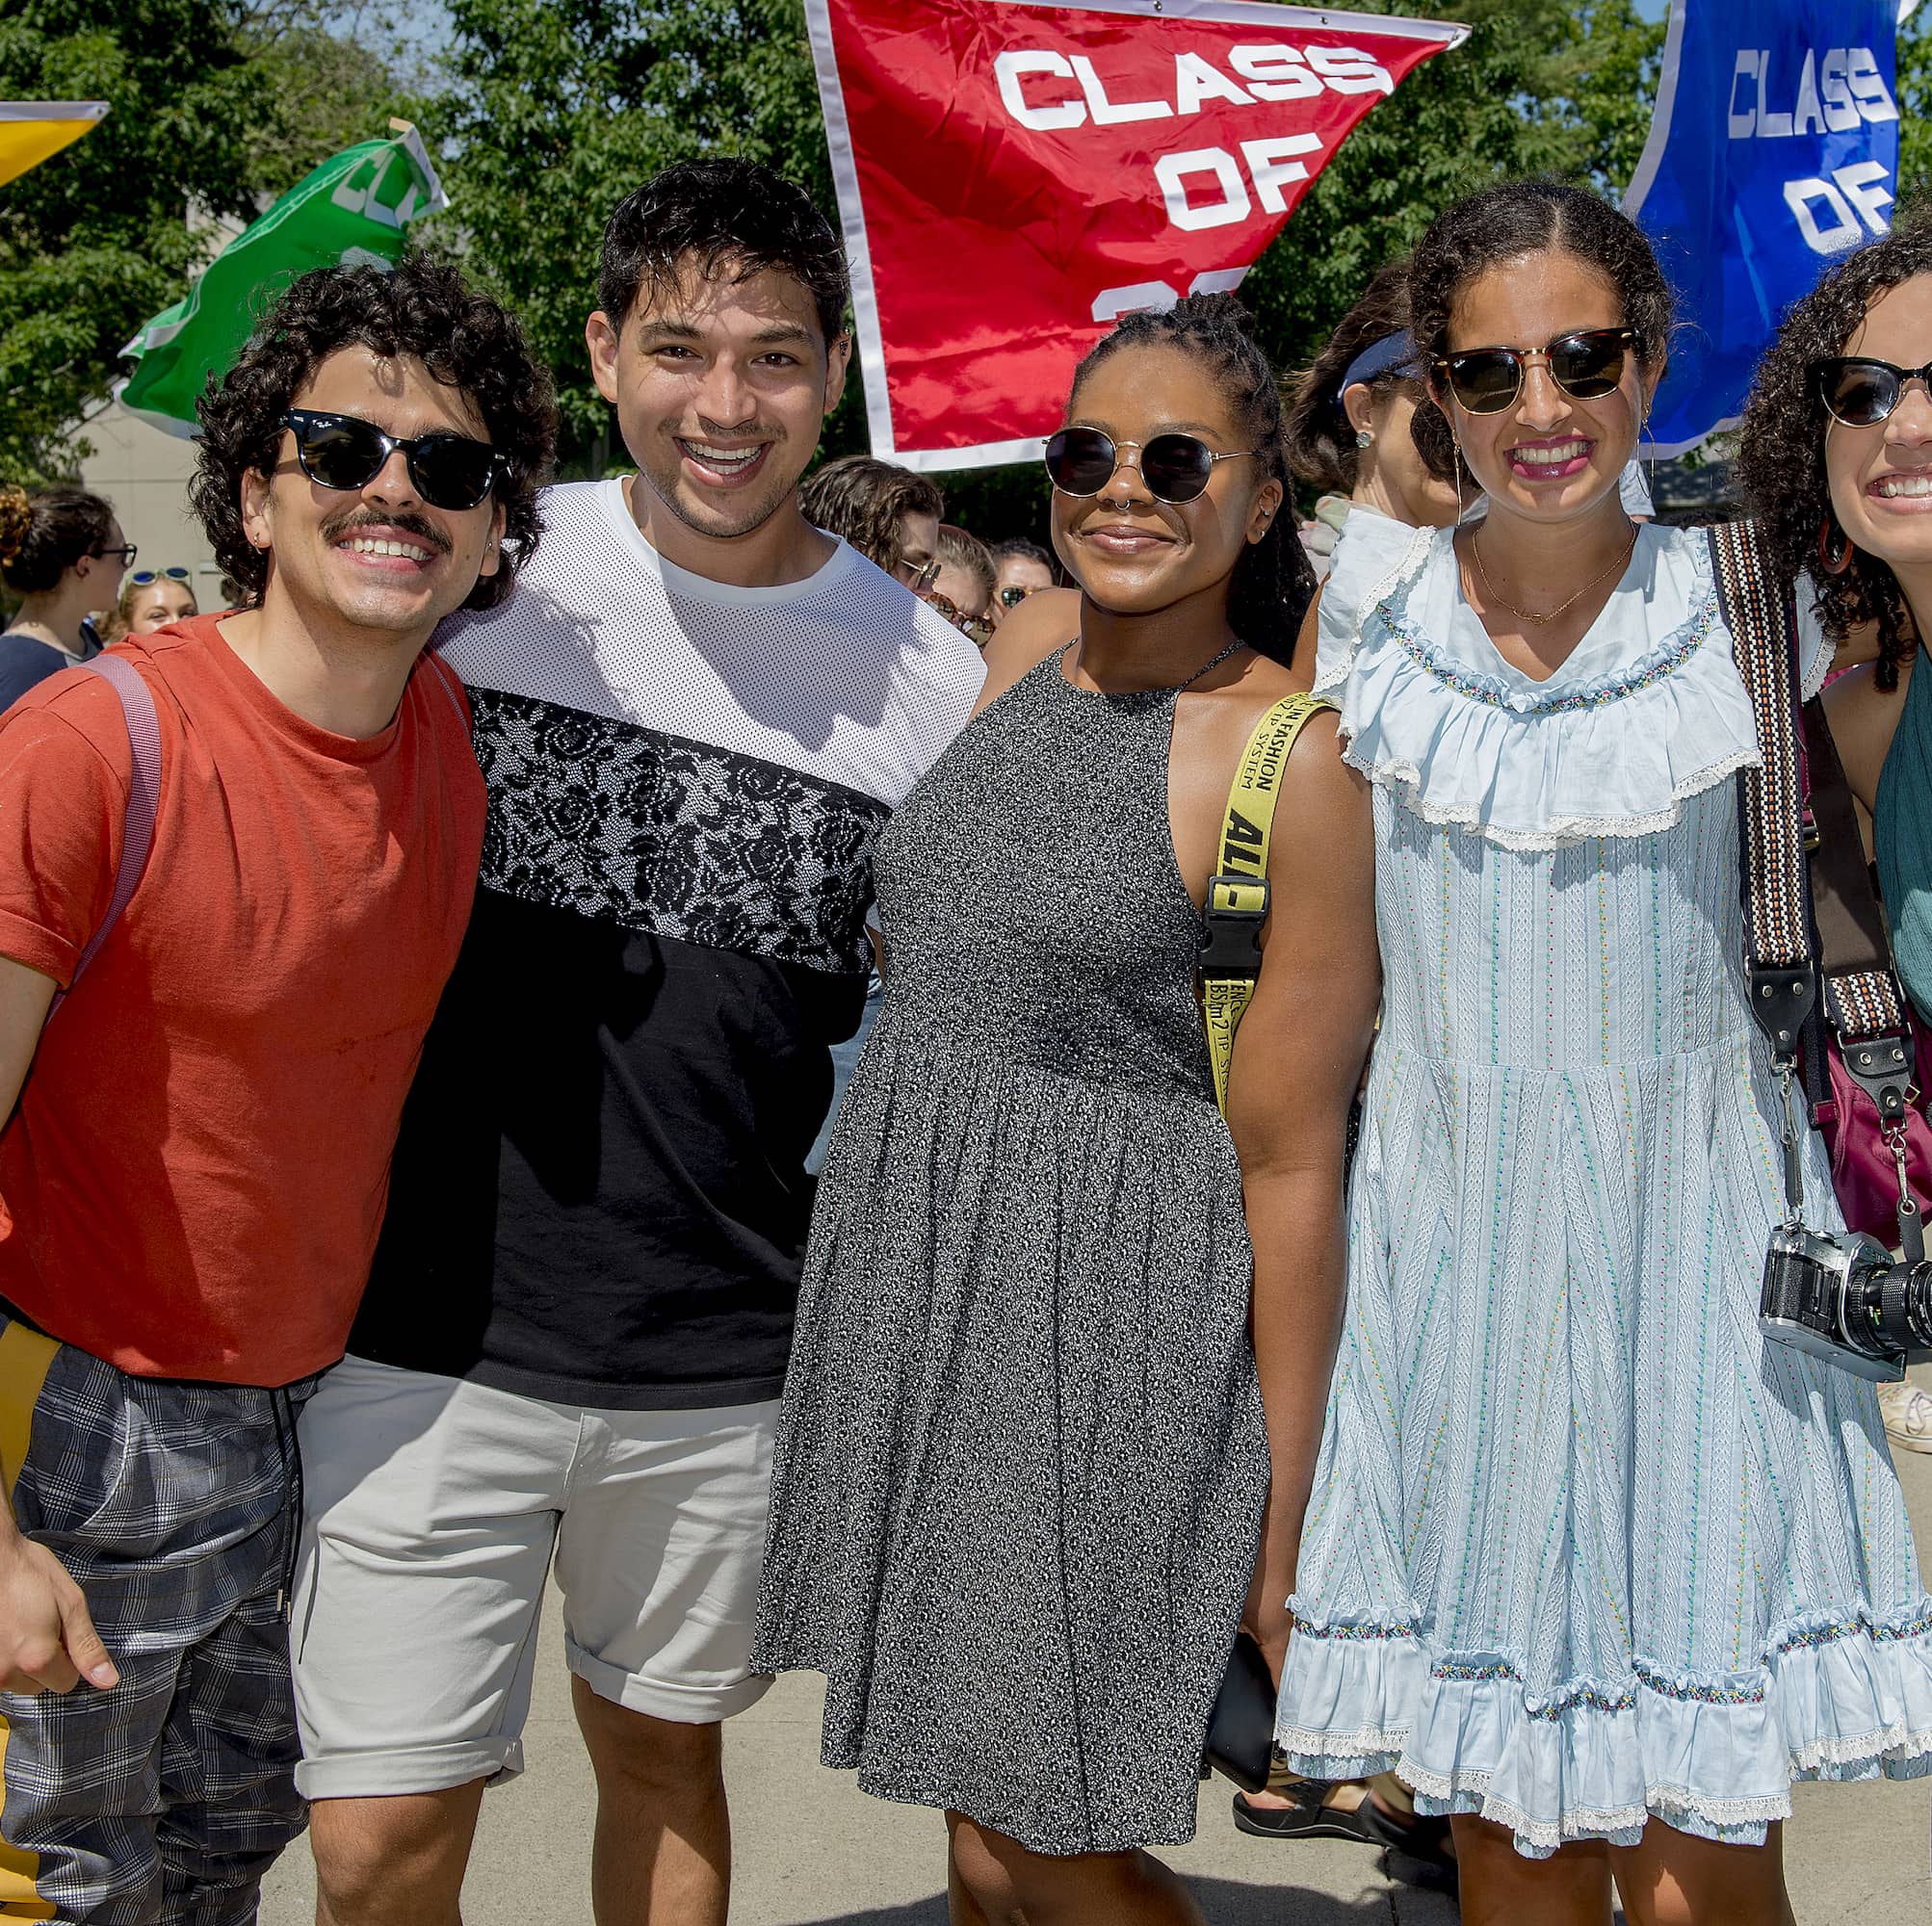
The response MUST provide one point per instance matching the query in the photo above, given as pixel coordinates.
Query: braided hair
(1272, 583)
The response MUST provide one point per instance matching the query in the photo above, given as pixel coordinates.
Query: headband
(1392, 354)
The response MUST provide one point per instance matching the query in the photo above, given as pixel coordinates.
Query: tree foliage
(214, 107)
(556, 109)
(1915, 108)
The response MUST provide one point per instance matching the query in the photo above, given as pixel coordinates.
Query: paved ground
(814, 1851)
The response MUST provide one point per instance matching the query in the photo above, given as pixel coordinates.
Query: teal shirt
(1902, 838)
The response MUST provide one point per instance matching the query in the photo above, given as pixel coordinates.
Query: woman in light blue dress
(1588, 1562)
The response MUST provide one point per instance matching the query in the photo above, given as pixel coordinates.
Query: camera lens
(1888, 1309)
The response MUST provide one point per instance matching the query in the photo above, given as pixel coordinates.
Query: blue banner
(1774, 149)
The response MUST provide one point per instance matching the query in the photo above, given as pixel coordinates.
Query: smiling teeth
(722, 457)
(1566, 451)
(365, 545)
(1905, 484)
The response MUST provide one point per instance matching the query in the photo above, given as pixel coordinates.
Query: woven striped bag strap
(1780, 966)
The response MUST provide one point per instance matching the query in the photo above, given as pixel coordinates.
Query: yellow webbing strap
(1237, 892)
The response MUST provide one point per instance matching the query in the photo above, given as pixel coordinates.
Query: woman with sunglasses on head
(1835, 460)
(1589, 1564)
(150, 599)
(1023, 1489)
(1348, 436)
(60, 552)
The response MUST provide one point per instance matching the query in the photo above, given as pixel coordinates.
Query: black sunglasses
(1012, 595)
(1587, 365)
(1175, 467)
(450, 471)
(1861, 392)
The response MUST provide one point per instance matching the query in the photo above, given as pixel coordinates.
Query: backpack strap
(450, 683)
(1237, 892)
(143, 796)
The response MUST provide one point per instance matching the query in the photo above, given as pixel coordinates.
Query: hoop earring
(1829, 564)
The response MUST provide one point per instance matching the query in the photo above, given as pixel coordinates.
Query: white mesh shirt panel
(845, 676)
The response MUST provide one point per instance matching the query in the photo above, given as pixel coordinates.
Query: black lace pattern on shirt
(676, 838)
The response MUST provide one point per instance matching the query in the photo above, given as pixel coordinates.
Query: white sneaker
(1907, 1408)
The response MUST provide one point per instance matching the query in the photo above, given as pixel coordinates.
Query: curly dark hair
(421, 308)
(1782, 449)
(1272, 583)
(725, 213)
(1320, 442)
(864, 501)
(1500, 223)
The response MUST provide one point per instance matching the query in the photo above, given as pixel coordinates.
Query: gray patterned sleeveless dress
(1021, 1466)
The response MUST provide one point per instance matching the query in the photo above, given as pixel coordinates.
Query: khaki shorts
(434, 1509)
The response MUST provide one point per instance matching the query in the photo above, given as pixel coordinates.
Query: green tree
(556, 109)
(1539, 87)
(214, 107)
(1915, 108)
(96, 240)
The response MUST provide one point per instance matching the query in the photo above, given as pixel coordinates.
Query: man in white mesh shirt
(693, 719)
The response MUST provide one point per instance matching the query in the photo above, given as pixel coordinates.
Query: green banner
(352, 208)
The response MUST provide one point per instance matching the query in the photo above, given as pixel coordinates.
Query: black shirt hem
(723, 1394)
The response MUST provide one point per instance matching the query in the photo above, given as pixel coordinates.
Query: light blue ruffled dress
(1583, 1546)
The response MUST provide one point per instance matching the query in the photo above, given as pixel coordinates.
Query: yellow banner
(30, 130)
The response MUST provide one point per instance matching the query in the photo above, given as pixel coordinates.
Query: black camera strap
(1816, 946)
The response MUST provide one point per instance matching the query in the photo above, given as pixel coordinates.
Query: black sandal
(1307, 1815)
(1418, 1850)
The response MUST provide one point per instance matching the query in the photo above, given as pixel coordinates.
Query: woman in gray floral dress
(1022, 1493)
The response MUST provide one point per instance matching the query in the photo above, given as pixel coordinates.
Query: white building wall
(144, 474)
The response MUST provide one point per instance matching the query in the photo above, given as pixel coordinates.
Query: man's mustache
(423, 531)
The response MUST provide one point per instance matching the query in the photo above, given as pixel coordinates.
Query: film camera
(1847, 1300)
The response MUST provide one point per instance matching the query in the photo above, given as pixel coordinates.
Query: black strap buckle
(1231, 925)
(1781, 1000)
(1882, 1067)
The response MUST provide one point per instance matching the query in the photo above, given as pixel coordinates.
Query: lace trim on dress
(1661, 662)
(1467, 1736)
(1648, 713)
(1559, 831)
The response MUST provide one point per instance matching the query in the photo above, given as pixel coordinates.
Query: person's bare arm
(1041, 624)
(1298, 1064)
(1864, 718)
(47, 1641)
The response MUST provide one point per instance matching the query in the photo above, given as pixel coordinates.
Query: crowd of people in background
(656, 1037)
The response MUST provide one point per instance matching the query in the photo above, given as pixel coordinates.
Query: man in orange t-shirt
(193, 1180)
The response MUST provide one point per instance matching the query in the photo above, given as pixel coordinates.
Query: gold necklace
(1617, 566)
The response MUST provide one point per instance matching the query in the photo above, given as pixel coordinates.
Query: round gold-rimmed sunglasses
(1176, 467)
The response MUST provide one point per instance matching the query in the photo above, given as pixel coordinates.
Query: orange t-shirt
(194, 1177)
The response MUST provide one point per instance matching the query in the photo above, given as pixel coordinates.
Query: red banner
(1013, 176)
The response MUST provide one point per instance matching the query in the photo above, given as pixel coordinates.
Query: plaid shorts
(166, 1799)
